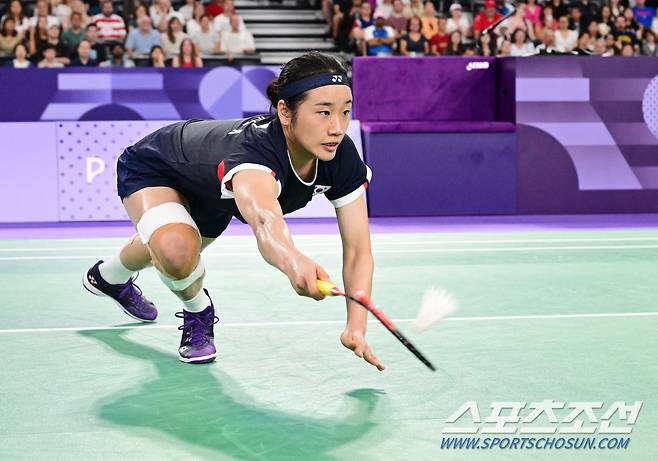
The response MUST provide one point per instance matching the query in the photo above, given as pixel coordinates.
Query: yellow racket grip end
(326, 288)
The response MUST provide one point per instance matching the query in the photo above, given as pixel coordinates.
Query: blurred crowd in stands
(58, 33)
(408, 27)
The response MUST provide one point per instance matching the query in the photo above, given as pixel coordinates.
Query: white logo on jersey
(337, 78)
(477, 65)
(320, 189)
(256, 120)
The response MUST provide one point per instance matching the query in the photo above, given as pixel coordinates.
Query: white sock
(114, 272)
(198, 303)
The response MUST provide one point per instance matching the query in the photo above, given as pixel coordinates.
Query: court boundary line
(377, 252)
(374, 243)
(335, 322)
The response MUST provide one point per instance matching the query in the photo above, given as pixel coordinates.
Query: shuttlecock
(436, 304)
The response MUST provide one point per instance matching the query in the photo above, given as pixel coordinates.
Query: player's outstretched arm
(255, 195)
(358, 267)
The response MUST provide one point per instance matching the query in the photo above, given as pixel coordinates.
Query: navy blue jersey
(200, 157)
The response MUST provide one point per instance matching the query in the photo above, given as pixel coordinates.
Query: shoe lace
(131, 291)
(195, 326)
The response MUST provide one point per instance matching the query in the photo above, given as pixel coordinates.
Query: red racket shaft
(387, 323)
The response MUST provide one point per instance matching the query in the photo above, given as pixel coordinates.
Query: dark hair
(90, 25)
(4, 26)
(170, 31)
(420, 23)
(20, 44)
(311, 63)
(193, 55)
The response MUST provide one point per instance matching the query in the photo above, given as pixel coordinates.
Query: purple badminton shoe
(197, 345)
(127, 295)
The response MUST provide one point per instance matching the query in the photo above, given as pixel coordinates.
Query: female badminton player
(182, 184)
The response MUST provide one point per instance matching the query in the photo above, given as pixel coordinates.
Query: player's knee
(177, 249)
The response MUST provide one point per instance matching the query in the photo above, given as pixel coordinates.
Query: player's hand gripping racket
(329, 289)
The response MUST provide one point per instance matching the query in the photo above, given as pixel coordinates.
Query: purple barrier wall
(587, 134)
(435, 137)
(427, 89)
(133, 94)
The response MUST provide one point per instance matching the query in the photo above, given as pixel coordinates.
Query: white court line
(340, 322)
(379, 252)
(374, 243)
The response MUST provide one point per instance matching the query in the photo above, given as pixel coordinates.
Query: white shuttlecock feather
(436, 304)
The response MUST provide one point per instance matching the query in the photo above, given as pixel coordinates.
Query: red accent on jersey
(365, 185)
(273, 174)
(220, 171)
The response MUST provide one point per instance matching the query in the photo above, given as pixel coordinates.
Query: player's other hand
(304, 274)
(356, 342)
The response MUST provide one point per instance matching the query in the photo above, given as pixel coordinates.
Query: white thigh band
(161, 215)
(180, 285)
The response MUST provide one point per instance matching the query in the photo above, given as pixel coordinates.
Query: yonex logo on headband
(309, 83)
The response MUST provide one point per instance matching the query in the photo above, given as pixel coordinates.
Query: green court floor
(567, 316)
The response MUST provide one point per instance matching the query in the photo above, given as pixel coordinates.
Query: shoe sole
(204, 359)
(95, 291)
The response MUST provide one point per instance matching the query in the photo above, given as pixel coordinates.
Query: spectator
(649, 47)
(631, 23)
(9, 38)
(470, 50)
(429, 20)
(187, 56)
(49, 60)
(72, 37)
(140, 12)
(605, 22)
(385, 7)
(397, 20)
(110, 26)
(593, 31)
(585, 43)
(575, 20)
(565, 38)
(42, 9)
(601, 49)
(222, 22)
(520, 45)
(98, 51)
(119, 57)
(547, 44)
(487, 47)
(83, 56)
(15, 11)
(518, 21)
(623, 34)
(503, 8)
(589, 11)
(532, 14)
(80, 7)
(157, 57)
(141, 40)
(548, 19)
(161, 13)
(214, 8)
(455, 46)
(414, 8)
(343, 23)
(616, 7)
(238, 40)
(362, 21)
(187, 10)
(559, 8)
(38, 35)
(505, 49)
(627, 50)
(207, 40)
(439, 42)
(53, 41)
(20, 60)
(193, 26)
(62, 11)
(457, 21)
(174, 36)
(413, 43)
(486, 18)
(379, 38)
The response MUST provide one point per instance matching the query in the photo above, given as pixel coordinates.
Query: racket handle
(327, 288)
